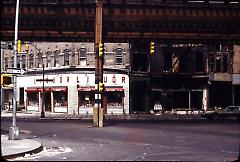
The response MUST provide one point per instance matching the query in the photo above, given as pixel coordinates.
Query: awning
(48, 89)
(92, 88)
(59, 89)
(110, 89)
(31, 90)
(45, 89)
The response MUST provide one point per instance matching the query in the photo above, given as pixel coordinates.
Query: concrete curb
(13, 148)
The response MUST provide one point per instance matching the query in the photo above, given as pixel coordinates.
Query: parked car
(228, 112)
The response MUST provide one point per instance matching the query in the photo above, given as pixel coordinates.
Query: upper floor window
(82, 56)
(12, 60)
(6, 63)
(31, 60)
(119, 56)
(66, 56)
(39, 60)
(56, 58)
(23, 61)
(49, 53)
(18, 61)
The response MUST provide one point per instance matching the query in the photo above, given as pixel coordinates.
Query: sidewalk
(19, 147)
(123, 117)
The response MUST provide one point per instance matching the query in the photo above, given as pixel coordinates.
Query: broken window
(119, 56)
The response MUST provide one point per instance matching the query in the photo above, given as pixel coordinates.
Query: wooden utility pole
(98, 107)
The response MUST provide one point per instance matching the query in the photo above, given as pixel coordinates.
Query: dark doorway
(21, 96)
(47, 100)
(196, 100)
(139, 92)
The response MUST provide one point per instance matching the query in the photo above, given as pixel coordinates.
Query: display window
(115, 99)
(60, 99)
(32, 99)
(86, 99)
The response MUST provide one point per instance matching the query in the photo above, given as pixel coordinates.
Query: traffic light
(100, 87)
(152, 48)
(19, 46)
(6, 79)
(101, 49)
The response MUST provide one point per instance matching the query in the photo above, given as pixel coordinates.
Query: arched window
(6, 63)
(23, 61)
(82, 59)
(39, 60)
(12, 60)
(56, 58)
(48, 58)
(119, 56)
(66, 57)
(31, 60)
(18, 61)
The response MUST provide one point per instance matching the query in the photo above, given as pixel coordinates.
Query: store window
(115, 99)
(60, 99)
(32, 99)
(86, 99)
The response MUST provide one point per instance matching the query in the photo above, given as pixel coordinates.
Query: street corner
(17, 148)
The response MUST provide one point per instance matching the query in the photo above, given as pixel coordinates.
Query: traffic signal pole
(98, 107)
(14, 130)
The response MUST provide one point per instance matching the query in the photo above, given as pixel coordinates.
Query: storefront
(75, 93)
(113, 100)
(55, 99)
(86, 99)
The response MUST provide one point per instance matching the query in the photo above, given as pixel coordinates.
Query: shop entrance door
(47, 100)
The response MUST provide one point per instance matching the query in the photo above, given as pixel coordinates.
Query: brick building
(177, 77)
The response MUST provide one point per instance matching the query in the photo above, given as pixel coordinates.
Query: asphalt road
(174, 141)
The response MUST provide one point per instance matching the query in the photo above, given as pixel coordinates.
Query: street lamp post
(14, 130)
(43, 99)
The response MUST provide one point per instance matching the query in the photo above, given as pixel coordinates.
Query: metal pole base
(13, 133)
(42, 115)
